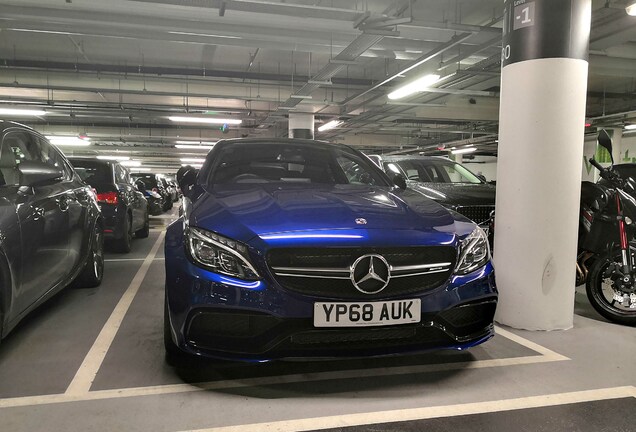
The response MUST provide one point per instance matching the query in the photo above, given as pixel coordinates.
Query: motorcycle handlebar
(608, 175)
(597, 165)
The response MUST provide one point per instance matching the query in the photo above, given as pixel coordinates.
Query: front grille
(325, 272)
(477, 214)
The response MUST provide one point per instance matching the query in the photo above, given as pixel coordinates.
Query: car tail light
(108, 198)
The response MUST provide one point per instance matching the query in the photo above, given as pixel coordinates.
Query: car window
(93, 172)
(149, 180)
(291, 163)
(437, 171)
(121, 175)
(51, 155)
(355, 172)
(9, 175)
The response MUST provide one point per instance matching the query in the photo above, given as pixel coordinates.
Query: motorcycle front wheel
(604, 294)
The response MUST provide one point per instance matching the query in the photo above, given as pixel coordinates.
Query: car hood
(245, 211)
(456, 193)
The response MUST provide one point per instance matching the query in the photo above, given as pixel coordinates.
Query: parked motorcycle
(606, 260)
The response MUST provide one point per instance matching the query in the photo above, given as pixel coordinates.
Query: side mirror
(605, 141)
(186, 177)
(33, 173)
(140, 185)
(482, 178)
(399, 181)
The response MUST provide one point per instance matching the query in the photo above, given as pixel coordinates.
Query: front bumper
(217, 316)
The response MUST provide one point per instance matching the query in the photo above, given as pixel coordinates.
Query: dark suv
(154, 182)
(51, 229)
(124, 208)
(447, 182)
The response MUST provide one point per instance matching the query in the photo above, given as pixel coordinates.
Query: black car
(154, 182)
(155, 201)
(447, 182)
(124, 208)
(51, 229)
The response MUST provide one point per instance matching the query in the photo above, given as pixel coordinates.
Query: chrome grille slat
(326, 272)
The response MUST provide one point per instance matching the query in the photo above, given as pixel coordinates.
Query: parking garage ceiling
(116, 70)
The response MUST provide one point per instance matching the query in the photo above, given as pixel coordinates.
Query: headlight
(220, 254)
(474, 252)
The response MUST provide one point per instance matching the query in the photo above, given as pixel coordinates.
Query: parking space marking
(364, 419)
(530, 345)
(81, 383)
(545, 356)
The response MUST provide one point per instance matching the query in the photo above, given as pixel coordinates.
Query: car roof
(415, 157)
(6, 124)
(307, 142)
(91, 159)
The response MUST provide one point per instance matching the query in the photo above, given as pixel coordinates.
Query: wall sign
(536, 29)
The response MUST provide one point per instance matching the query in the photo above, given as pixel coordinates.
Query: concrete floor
(92, 360)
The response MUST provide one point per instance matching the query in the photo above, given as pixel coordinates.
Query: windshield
(292, 163)
(150, 180)
(436, 171)
(93, 172)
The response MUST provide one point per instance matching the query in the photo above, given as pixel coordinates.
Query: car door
(10, 232)
(122, 178)
(44, 226)
(72, 198)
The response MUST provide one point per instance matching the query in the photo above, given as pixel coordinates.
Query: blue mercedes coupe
(292, 248)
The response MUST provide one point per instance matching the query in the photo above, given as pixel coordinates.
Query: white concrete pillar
(301, 125)
(459, 158)
(541, 117)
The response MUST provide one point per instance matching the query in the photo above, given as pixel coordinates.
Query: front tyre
(93, 272)
(124, 244)
(145, 231)
(613, 302)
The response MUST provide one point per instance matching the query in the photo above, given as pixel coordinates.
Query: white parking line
(547, 356)
(554, 356)
(341, 421)
(85, 376)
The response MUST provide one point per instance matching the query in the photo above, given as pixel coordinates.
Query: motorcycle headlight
(220, 254)
(474, 252)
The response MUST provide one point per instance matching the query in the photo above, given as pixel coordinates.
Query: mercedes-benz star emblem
(370, 273)
(361, 221)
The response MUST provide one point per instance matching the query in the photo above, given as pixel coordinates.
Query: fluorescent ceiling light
(330, 125)
(194, 146)
(631, 126)
(204, 35)
(211, 143)
(140, 169)
(208, 120)
(69, 140)
(45, 31)
(631, 9)
(418, 85)
(21, 112)
(113, 158)
(131, 163)
(193, 160)
(464, 150)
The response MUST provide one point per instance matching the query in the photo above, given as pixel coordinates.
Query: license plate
(367, 314)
